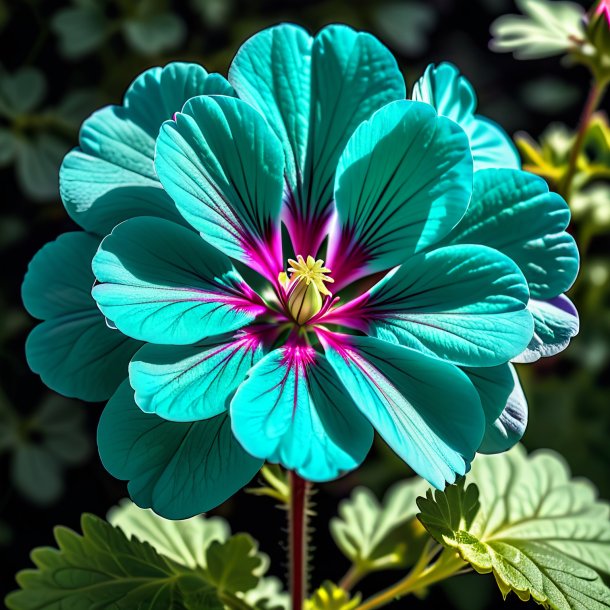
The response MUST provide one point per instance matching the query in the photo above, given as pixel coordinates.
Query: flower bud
(305, 301)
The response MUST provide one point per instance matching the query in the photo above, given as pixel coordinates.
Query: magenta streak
(306, 234)
(346, 258)
(353, 314)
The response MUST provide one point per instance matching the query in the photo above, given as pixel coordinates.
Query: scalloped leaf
(544, 535)
(380, 535)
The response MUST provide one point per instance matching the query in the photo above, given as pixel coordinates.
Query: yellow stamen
(305, 287)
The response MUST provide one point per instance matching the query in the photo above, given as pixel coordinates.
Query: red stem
(298, 540)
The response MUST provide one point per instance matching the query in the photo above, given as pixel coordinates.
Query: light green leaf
(545, 28)
(543, 535)
(233, 565)
(269, 594)
(103, 569)
(379, 535)
(213, 13)
(185, 542)
(331, 597)
(36, 474)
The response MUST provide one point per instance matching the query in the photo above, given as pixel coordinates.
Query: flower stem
(596, 93)
(352, 577)
(297, 531)
(421, 576)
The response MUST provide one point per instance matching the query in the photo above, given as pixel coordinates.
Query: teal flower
(297, 259)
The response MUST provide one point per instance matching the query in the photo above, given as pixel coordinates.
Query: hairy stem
(297, 532)
(596, 93)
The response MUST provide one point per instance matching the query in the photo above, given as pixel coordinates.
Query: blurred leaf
(596, 148)
(152, 34)
(549, 157)
(594, 202)
(379, 536)
(546, 28)
(549, 95)
(406, 26)
(85, 572)
(38, 161)
(185, 542)
(76, 106)
(81, 29)
(268, 595)
(278, 486)
(331, 597)
(42, 445)
(8, 147)
(213, 12)
(21, 92)
(36, 474)
(542, 535)
(232, 565)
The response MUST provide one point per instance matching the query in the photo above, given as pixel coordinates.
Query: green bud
(305, 301)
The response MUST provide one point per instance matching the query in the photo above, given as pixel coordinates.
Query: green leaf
(406, 26)
(543, 535)
(331, 597)
(380, 536)
(185, 542)
(152, 34)
(80, 29)
(268, 595)
(8, 146)
(544, 29)
(22, 91)
(232, 565)
(102, 569)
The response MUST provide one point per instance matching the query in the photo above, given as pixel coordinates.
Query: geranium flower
(293, 265)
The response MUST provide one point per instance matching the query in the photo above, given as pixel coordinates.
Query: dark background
(569, 400)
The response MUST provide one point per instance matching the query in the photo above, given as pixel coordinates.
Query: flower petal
(224, 168)
(111, 177)
(193, 382)
(555, 323)
(427, 410)
(160, 282)
(444, 88)
(73, 350)
(314, 92)
(177, 469)
(514, 212)
(466, 304)
(403, 182)
(504, 404)
(292, 410)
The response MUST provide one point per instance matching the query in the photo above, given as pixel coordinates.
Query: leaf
(268, 595)
(102, 569)
(379, 536)
(232, 565)
(152, 34)
(543, 535)
(185, 542)
(406, 26)
(544, 29)
(331, 597)
(80, 29)
(22, 91)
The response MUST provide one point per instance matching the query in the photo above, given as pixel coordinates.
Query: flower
(305, 261)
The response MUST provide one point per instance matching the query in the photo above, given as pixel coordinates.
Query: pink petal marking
(603, 8)
(345, 257)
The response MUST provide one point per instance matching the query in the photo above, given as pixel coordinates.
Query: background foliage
(60, 60)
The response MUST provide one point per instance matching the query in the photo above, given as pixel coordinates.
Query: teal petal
(193, 382)
(505, 406)
(555, 323)
(73, 350)
(403, 182)
(444, 88)
(293, 410)
(224, 168)
(465, 304)
(514, 212)
(111, 176)
(427, 410)
(314, 92)
(177, 469)
(161, 283)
